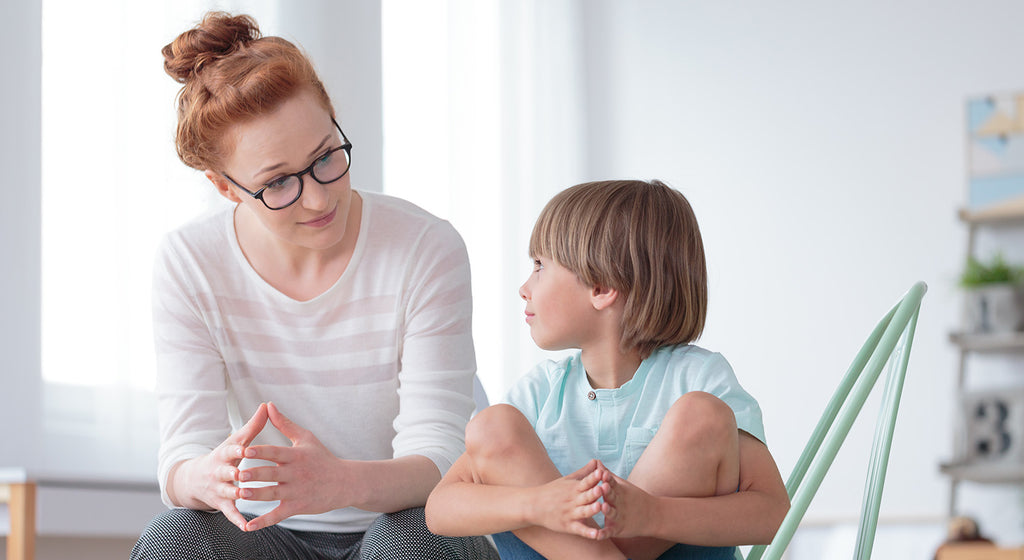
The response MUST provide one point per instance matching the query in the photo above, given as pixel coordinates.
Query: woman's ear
(223, 186)
(603, 297)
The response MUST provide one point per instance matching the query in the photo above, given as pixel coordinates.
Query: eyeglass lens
(286, 190)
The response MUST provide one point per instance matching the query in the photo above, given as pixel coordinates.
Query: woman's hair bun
(216, 36)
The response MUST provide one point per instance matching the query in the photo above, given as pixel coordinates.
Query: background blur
(823, 147)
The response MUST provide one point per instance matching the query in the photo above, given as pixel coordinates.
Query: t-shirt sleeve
(438, 364)
(717, 377)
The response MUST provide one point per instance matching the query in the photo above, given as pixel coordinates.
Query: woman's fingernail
(246, 493)
(245, 476)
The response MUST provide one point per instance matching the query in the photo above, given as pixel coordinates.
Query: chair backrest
(889, 343)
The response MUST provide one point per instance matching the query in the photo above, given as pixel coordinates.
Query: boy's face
(558, 306)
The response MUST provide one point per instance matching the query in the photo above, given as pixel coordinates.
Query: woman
(336, 321)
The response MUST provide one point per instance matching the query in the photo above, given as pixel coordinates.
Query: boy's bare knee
(495, 429)
(698, 417)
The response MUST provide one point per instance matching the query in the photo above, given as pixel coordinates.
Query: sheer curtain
(484, 121)
(112, 186)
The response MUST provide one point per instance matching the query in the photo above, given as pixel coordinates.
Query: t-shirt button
(591, 395)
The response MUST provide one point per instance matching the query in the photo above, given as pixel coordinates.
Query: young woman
(336, 321)
(640, 427)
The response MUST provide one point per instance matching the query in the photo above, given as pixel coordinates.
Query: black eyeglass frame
(258, 195)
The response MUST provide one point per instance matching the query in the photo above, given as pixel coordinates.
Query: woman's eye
(277, 184)
(537, 266)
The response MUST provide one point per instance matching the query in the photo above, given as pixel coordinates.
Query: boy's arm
(751, 515)
(458, 506)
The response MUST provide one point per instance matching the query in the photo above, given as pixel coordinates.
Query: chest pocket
(637, 440)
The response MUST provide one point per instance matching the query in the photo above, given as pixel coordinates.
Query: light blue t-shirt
(617, 425)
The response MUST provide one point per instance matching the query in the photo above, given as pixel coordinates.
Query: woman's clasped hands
(305, 477)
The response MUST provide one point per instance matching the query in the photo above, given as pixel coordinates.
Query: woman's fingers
(274, 453)
(291, 430)
(261, 474)
(226, 473)
(261, 493)
(232, 514)
(272, 517)
(252, 428)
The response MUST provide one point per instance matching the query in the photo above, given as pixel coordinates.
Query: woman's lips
(322, 220)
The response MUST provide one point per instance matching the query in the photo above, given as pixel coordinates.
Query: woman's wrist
(176, 487)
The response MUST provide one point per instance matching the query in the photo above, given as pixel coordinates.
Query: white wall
(823, 147)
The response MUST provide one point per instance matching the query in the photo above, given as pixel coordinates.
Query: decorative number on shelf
(994, 425)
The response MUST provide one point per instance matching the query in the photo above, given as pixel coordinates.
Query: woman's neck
(298, 272)
(608, 366)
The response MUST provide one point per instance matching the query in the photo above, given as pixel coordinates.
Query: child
(639, 427)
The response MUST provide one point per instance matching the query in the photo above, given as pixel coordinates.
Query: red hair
(231, 74)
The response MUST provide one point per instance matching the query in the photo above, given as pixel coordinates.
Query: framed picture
(995, 126)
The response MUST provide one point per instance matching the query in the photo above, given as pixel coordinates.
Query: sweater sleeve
(190, 381)
(437, 360)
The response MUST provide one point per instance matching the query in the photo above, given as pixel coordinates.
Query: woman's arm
(752, 515)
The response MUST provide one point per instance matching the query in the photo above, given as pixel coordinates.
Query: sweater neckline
(366, 215)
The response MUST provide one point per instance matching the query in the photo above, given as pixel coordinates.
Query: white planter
(994, 308)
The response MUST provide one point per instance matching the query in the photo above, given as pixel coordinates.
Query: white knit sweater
(378, 366)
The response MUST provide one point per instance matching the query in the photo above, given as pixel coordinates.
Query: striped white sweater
(378, 366)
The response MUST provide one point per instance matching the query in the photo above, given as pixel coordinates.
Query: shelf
(985, 472)
(1004, 214)
(988, 342)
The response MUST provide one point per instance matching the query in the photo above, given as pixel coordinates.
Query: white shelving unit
(962, 467)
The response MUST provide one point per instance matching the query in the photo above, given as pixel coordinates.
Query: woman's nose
(523, 294)
(314, 195)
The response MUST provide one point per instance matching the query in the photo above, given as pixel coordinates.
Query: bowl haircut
(640, 238)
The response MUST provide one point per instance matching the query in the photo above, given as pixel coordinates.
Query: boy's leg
(504, 450)
(695, 453)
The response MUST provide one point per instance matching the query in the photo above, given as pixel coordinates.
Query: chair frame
(889, 344)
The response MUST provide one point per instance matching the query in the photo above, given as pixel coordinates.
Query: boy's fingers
(583, 530)
(585, 469)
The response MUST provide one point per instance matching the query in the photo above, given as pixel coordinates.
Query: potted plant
(994, 295)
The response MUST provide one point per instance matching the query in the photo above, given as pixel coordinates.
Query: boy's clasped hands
(569, 504)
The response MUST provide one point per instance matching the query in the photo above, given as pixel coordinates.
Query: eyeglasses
(284, 191)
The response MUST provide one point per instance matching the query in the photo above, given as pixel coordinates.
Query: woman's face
(280, 143)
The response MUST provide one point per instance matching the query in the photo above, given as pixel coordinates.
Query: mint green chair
(889, 344)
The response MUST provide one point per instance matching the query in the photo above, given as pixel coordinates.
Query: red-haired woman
(315, 360)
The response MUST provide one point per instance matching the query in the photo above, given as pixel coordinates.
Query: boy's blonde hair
(640, 238)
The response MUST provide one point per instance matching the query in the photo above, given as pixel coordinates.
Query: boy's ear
(603, 297)
(223, 186)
